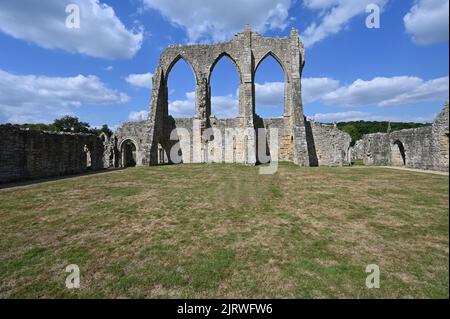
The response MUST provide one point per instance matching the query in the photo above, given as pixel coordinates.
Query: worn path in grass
(417, 170)
(226, 231)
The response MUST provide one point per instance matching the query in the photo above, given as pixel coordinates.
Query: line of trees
(357, 129)
(69, 124)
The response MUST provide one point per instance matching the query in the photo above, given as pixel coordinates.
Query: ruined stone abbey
(299, 141)
(246, 139)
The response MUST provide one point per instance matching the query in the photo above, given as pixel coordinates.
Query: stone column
(246, 143)
(295, 105)
(158, 108)
(201, 120)
(202, 97)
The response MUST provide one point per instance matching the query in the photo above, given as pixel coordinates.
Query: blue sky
(101, 72)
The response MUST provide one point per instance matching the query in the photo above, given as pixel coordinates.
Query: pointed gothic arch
(270, 53)
(218, 58)
(174, 61)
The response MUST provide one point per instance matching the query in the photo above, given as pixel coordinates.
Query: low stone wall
(327, 145)
(423, 148)
(31, 154)
(376, 149)
(357, 151)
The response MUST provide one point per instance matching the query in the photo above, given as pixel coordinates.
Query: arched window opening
(224, 83)
(128, 154)
(104, 137)
(87, 153)
(269, 88)
(181, 90)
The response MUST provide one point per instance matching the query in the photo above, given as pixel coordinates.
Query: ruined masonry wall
(134, 131)
(328, 145)
(31, 154)
(357, 151)
(331, 146)
(424, 148)
(246, 51)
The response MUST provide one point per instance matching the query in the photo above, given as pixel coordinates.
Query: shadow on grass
(55, 178)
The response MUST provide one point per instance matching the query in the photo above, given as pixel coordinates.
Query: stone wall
(327, 145)
(357, 151)
(376, 149)
(31, 154)
(424, 148)
(134, 132)
(440, 136)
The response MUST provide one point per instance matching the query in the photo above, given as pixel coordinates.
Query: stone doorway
(128, 154)
(398, 154)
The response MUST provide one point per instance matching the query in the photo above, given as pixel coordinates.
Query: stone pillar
(246, 144)
(295, 105)
(158, 108)
(201, 120)
(202, 99)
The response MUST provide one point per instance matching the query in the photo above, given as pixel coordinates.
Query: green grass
(194, 231)
(357, 162)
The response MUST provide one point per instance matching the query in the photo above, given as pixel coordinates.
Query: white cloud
(32, 98)
(222, 106)
(109, 68)
(314, 89)
(428, 21)
(217, 20)
(269, 94)
(334, 16)
(101, 33)
(138, 116)
(433, 90)
(140, 80)
(340, 116)
(365, 116)
(382, 91)
(225, 106)
(183, 108)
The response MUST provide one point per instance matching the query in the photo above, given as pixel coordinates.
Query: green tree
(104, 129)
(68, 124)
(357, 129)
(353, 131)
(71, 124)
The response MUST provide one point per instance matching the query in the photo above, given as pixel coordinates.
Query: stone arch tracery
(246, 51)
(175, 60)
(218, 58)
(276, 58)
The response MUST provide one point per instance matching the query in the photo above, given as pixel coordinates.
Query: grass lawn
(195, 231)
